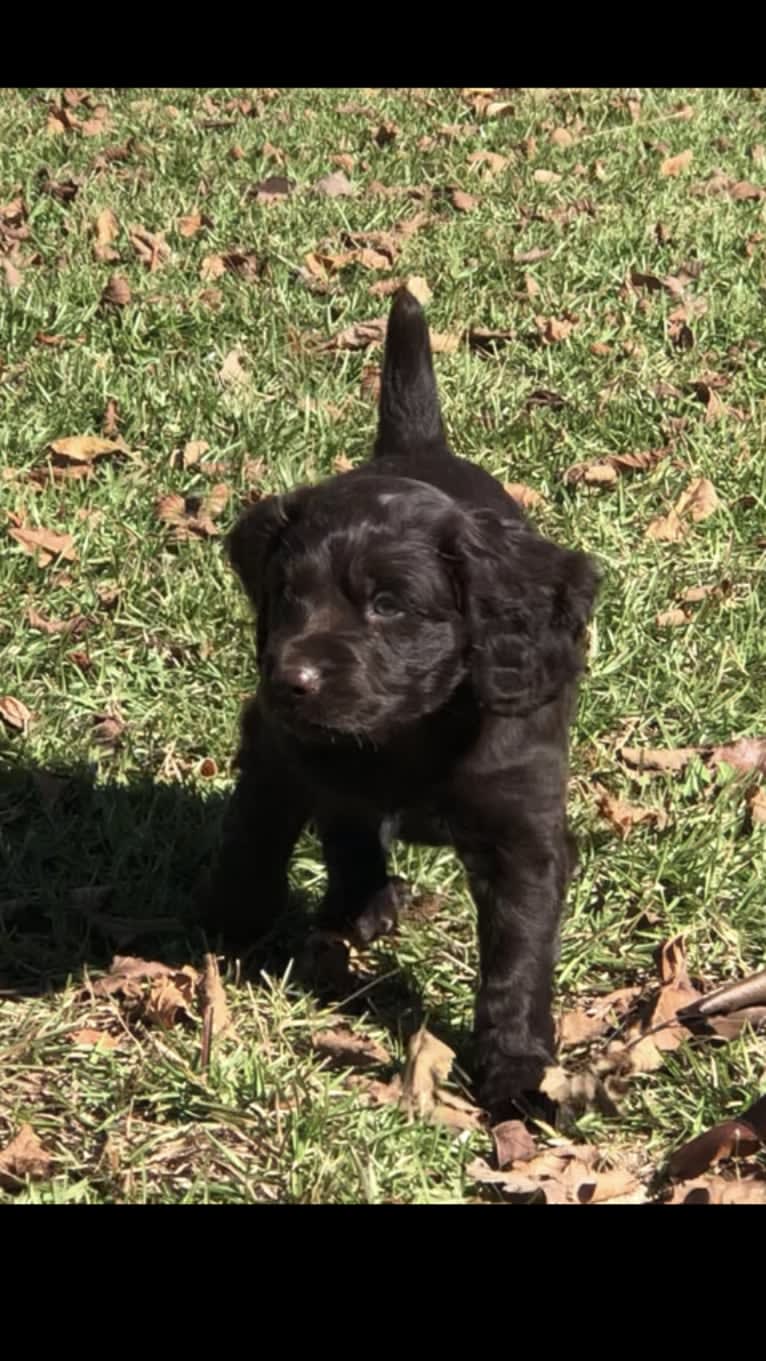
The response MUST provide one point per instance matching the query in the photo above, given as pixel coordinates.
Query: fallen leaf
(562, 1175)
(107, 730)
(192, 517)
(15, 713)
(673, 618)
(106, 230)
(491, 161)
(443, 342)
(579, 1026)
(756, 806)
(624, 816)
(111, 419)
(698, 501)
(213, 998)
(429, 1063)
(94, 1039)
(513, 1143)
(544, 397)
(546, 176)
(151, 247)
(525, 496)
(191, 223)
(85, 448)
(231, 372)
(13, 276)
(554, 329)
(271, 190)
(418, 287)
(358, 336)
(370, 382)
(713, 1190)
(531, 256)
(342, 464)
(45, 544)
(75, 625)
(645, 758)
(156, 992)
(23, 1158)
(673, 165)
(346, 1049)
(461, 201)
(386, 133)
(334, 185)
(562, 137)
(747, 754)
(117, 292)
(730, 1139)
(487, 338)
(192, 452)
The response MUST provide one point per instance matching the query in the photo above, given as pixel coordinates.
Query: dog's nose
(300, 678)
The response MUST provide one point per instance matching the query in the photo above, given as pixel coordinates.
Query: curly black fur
(419, 645)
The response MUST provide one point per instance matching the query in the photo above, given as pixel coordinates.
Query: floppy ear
(252, 543)
(526, 603)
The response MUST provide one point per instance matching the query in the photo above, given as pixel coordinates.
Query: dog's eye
(385, 605)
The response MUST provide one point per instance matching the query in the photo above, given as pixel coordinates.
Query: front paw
(238, 911)
(508, 1079)
(379, 915)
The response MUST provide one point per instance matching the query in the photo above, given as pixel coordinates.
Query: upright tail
(409, 416)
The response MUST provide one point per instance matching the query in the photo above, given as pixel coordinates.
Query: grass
(173, 654)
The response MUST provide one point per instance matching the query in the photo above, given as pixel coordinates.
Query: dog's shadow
(91, 869)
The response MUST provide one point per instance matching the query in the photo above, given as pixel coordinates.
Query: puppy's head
(377, 597)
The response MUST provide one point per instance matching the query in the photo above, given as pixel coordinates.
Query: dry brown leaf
(456, 1113)
(95, 1039)
(151, 247)
(14, 713)
(461, 201)
(525, 496)
(191, 223)
(45, 544)
(747, 754)
(106, 231)
(344, 1048)
(491, 161)
(272, 189)
(231, 372)
(578, 1026)
(711, 1190)
(212, 998)
(513, 1143)
(488, 338)
(756, 806)
(370, 382)
(645, 758)
(443, 342)
(386, 133)
(12, 272)
(562, 1175)
(190, 517)
(24, 1157)
(418, 287)
(111, 419)
(531, 256)
(429, 1063)
(730, 1139)
(192, 452)
(698, 501)
(674, 165)
(562, 137)
(85, 448)
(335, 185)
(75, 625)
(359, 336)
(673, 618)
(116, 292)
(555, 329)
(676, 992)
(624, 816)
(170, 998)
(546, 176)
(107, 730)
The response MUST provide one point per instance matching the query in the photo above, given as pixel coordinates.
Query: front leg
(266, 815)
(518, 884)
(360, 897)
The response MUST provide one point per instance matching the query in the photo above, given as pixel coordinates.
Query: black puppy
(419, 645)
